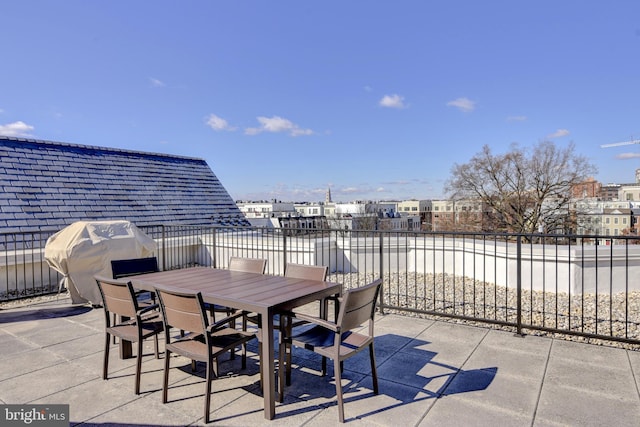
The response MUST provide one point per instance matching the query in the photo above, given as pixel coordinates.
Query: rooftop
(49, 185)
(430, 372)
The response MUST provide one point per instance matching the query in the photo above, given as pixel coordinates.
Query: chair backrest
(118, 296)
(131, 267)
(309, 272)
(182, 310)
(248, 265)
(359, 306)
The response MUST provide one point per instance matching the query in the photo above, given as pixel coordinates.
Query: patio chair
(299, 271)
(137, 324)
(202, 341)
(285, 322)
(337, 340)
(130, 267)
(121, 268)
(248, 265)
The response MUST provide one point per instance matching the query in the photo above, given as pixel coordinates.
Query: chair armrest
(318, 321)
(224, 323)
(146, 309)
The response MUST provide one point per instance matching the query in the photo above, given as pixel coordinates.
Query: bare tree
(525, 193)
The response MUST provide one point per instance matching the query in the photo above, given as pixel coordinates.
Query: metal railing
(550, 283)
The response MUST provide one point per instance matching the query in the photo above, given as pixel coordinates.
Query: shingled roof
(49, 185)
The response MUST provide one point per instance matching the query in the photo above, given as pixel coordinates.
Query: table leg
(268, 366)
(126, 349)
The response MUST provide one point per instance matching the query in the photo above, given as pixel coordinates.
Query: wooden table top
(246, 291)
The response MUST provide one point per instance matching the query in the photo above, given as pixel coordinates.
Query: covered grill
(86, 248)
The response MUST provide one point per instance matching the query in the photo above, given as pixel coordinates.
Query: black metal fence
(580, 285)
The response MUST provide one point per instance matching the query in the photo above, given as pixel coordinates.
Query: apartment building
(264, 209)
(609, 192)
(588, 189)
(629, 192)
(419, 208)
(451, 215)
(616, 221)
(309, 209)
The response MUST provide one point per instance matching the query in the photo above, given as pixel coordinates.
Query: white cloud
(380, 190)
(463, 104)
(156, 82)
(218, 123)
(398, 182)
(626, 156)
(558, 134)
(516, 118)
(350, 190)
(392, 101)
(277, 124)
(18, 128)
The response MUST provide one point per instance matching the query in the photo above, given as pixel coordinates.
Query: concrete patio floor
(430, 373)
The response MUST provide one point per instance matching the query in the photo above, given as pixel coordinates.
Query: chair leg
(244, 355)
(115, 319)
(286, 358)
(138, 366)
(283, 366)
(261, 367)
(338, 377)
(165, 382)
(105, 364)
(207, 395)
(374, 370)
(289, 351)
(155, 346)
(214, 366)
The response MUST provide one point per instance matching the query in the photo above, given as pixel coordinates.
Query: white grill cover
(86, 248)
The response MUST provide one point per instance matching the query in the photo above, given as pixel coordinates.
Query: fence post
(214, 247)
(284, 250)
(519, 286)
(381, 255)
(164, 249)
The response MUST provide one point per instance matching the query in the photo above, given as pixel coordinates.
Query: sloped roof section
(49, 185)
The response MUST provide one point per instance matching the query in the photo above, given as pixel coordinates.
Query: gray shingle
(50, 184)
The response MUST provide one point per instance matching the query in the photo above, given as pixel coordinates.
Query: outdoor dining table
(253, 292)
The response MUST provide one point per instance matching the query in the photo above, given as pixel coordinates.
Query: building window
(615, 220)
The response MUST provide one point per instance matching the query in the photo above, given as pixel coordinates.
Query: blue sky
(283, 99)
